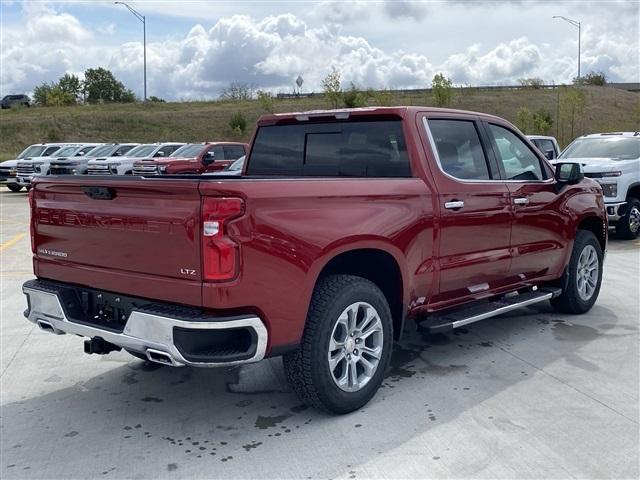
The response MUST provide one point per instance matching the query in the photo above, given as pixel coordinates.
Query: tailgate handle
(99, 193)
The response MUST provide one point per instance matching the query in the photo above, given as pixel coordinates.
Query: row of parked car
(613, 159)
(165, 158)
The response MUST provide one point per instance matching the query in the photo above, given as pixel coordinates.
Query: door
(217, 162)
(475, 212)
(537, 230)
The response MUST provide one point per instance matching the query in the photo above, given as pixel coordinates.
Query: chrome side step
(479, 311)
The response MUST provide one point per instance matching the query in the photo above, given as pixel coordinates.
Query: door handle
(521, 201)
(454, 205)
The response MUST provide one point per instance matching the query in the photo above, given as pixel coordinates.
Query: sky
(197, 48)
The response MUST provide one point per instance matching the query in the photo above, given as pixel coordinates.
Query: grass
(607, 109)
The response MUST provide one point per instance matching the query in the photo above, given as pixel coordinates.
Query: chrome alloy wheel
(587, 274)
(634, 219)
(355, 347)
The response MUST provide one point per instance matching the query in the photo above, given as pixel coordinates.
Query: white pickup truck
(613, 159)
(38, 166)
(124, 165)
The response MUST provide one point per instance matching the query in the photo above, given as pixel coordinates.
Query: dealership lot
(529, 394)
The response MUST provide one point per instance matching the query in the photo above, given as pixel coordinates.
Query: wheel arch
(378, 262)
(597, 226)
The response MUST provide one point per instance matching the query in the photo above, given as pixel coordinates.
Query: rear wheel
(584, 275)
(14, 187)
(628, 226)
(346, 345)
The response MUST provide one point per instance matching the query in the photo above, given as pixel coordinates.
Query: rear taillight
(220, 253)
(32, 221)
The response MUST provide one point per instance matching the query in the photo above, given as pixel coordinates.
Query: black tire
(14, 187)
(307, 368)
(626, 227)
(570, 300)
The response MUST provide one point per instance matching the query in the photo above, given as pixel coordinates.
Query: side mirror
(569, 173)
(209, 158)
(160, 154)
(550, 154)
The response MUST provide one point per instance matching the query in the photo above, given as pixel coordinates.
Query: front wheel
(584, 275)
(628, 226)
(345, 347)
(14, 187)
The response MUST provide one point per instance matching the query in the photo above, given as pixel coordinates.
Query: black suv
(11, 100)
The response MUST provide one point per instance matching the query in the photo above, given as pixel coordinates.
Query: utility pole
(140, 17)
(577, 24)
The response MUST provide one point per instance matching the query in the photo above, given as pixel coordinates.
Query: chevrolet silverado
(344, 225)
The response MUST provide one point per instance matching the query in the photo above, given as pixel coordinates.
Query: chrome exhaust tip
(48, 327)
(158, 356)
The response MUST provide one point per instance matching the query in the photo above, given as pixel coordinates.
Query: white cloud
(271, 51)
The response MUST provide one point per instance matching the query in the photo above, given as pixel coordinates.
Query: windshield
(105, 150)
(63, 152)
(85, 150)
(32, 151)
(237, 165)
(189, 150)
(615, 148)
(142, 151)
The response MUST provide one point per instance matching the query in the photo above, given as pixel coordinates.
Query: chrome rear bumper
(146, 332)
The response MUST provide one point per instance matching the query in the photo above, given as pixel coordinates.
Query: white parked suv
(613, 159)
(124, 165)
(36, 166)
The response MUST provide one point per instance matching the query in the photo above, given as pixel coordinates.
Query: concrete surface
(534, 394)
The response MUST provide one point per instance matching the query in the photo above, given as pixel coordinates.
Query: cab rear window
(340, 149)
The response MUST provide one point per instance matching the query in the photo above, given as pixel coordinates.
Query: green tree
(101, 86)
(542, 122)
(354, 97)
(40, 94)
(442, 90)
(71, 85)
(573, 102)
(524, 119)
(57, 97)
(155, 99)
(332, 88)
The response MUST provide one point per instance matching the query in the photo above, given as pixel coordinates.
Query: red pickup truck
(344, 225)
(193, 158)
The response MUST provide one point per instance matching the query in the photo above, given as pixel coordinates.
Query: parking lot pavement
(532, 394)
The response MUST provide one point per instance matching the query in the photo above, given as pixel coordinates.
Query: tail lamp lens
(220, 253)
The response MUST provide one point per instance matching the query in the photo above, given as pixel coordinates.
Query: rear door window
(459, 149)
(353, 149)
(233, 152)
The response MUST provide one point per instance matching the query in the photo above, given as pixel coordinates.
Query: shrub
(533, 82)
(265, 99)
(332, 88)
(353, 97)
(238, 123)
(383, 98)
(598, 79)
(155, 99)
(524, 119)
(442, 90)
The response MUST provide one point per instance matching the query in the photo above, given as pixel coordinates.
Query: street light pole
(575, 23)
(140, 17)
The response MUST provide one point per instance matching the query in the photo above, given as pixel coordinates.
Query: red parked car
(344, 226)
(193, 158)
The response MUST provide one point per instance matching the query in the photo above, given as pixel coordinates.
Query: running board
(465, 315)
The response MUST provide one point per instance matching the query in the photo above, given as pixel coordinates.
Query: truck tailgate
(142, 236)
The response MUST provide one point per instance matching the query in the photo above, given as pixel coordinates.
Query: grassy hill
(607, 109)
